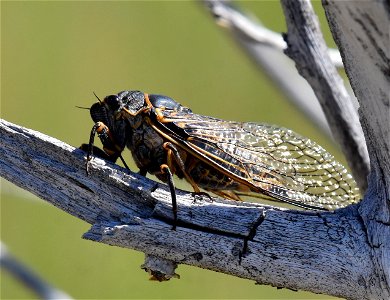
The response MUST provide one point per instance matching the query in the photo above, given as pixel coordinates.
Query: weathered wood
(319, 252)
(361, 31)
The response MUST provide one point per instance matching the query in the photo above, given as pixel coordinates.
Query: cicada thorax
(146, 146)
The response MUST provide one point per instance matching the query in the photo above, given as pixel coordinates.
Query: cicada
(227, 158)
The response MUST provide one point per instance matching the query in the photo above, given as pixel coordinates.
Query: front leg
(96, 151)
(111, 150)
(143, 172)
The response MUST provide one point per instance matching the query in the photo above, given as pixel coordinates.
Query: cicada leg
(173, 153)
(96, 151)
(111, 150)
(166, 170)
(124, 163)
(143, 172)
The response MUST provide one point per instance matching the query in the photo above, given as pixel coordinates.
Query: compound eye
(98, 113)
(113, 102)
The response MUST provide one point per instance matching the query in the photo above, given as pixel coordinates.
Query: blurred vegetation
(54, 55)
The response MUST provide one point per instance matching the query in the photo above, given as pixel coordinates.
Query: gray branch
(265, 48)
(26, 276)
(228, 16)
(294, 249)
(307, 48)
(315, 62)
(361, 31)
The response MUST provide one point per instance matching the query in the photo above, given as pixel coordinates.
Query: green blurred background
(54, 55)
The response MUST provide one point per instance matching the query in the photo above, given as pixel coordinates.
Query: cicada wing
(271, 160)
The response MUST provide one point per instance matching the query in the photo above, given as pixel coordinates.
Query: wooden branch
(26, 276)
(265, 48)
(361, 31)
(228, 16)
(322, 252)
(315, 63)
(307, 48)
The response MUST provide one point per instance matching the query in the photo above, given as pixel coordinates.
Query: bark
(361, 31)
(265, 48)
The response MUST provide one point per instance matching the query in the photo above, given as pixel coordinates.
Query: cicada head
(113, 106)
(119, 113)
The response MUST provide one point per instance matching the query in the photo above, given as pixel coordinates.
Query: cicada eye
(98, 113)
(112, 102)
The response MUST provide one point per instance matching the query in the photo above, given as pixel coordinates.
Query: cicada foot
(94, 151)
(143, 172)
(201, 195)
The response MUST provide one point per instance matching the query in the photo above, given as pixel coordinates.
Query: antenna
(82, 107)
(97, 97)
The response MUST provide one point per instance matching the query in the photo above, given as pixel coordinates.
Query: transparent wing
(273, 161)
